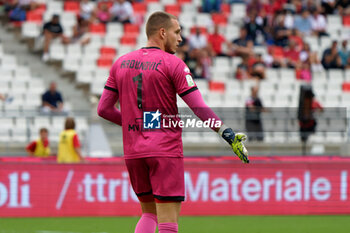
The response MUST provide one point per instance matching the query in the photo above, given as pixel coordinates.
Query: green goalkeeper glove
(236, 142)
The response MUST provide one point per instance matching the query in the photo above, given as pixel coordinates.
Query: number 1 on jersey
(138, 79)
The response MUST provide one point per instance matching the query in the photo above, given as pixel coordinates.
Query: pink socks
(167, 227)
(147, 223)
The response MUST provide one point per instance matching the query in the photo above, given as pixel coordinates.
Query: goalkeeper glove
(236, 142)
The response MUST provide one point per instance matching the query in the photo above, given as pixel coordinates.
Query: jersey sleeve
(31, 147)
(111, 83)
(76, 142)
(182, 79)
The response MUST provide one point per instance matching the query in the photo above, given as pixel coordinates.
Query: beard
(168, 48)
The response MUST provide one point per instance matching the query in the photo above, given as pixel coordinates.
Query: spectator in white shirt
(122, 12)
(198, 40)
(318, 23)
(86, 9)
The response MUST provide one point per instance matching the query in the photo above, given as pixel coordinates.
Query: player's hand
(236, 142)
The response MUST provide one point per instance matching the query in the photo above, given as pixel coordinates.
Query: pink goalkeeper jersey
(148, 80)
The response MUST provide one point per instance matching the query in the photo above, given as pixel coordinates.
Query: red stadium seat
(346, 20)
(226, 8)
(41, 8)
(219, 18)
(35, 16)
(139, 8)
(105, 62)
(203, 30)
(151, 1)
(109, 52)
(98, 28)
(72, 7)
(346, 86)
(183, 1)
(276, 51)
(173, 9)
(131, 29)
(128, 40)
(216, 86)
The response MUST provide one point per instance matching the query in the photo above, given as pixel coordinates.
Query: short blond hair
(158, 20)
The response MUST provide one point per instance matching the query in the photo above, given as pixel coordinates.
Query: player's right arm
(106, 107)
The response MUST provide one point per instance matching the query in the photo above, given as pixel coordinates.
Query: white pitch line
(64, 189)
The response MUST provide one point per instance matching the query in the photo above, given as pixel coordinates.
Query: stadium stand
(90, 63)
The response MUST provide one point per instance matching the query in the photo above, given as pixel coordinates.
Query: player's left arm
(106, 107)
(188, 91)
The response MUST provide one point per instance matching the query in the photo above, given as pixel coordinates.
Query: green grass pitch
(229, 224)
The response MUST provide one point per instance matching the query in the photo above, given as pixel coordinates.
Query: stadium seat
(203, 20)
(35, 17)
(219, 19)
(84, 76)
(154, 6)
(71, 64)
(346, 20)
(139, 8)
(98, 29)
(128, 40)
(108, 52)
(30, 30)
(238, 10)
(131, 29)
(225, 8)
(105, 62)
(173, 9)
(72, 6)
(217, 86)
(56, 51)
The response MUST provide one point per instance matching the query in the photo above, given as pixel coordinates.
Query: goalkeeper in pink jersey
(146, 82)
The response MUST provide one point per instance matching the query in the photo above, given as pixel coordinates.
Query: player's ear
(162, 33)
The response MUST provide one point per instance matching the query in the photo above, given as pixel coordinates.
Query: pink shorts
(161, 178)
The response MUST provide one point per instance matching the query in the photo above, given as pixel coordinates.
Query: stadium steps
(71, 94)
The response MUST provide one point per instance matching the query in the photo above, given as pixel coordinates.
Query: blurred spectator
(258, 67)
(197, 40)
(103, 13)
(16, 13)
(28, 4)
(291, 55)
(343, 7)
(304, 73)
(311, 58)
(210, 6)
(318, 23)
(303, 23)
(216, 42)
(309, 5)
(122, 11)
(203, 65)
(6, 98)
(288, 19)
(69, 145)
(41, 146)
(253, 109)
(281, 33)
(81, 33)
(331, 58)
(242, 71)
(254, 27)
(52, 101)
(328, 6)
(254, 6)
(86, 9)
(242, 46)
(344, 53)
(52, 30)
